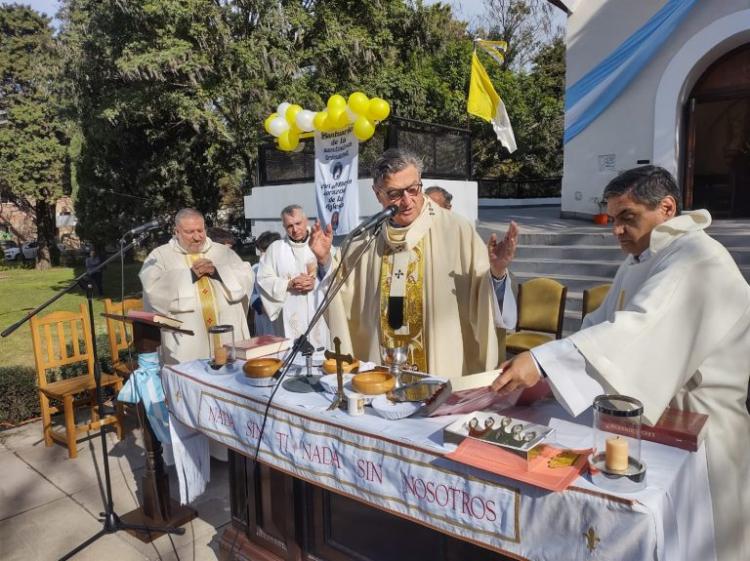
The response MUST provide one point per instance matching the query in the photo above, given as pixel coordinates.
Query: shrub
(18, 396)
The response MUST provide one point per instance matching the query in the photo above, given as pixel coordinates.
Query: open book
(154, 318)
(473, 393)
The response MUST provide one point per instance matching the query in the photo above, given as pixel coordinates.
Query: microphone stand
(333, 289)
(110, 520)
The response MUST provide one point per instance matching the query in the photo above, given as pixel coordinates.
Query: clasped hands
(301, 284)
(203, 268)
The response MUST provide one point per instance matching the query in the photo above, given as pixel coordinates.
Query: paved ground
(49, 504)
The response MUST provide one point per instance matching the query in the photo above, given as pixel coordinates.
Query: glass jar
(617, 440)
(221, 345)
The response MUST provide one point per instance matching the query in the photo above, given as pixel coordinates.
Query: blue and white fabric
(144, 385)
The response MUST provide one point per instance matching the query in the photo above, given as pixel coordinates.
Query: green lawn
(21, 290)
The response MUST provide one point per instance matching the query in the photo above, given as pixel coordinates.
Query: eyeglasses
(394, 195)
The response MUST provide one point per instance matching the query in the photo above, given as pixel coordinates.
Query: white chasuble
(675, 330)
(168, 289)
(290, 313)
(448, 261)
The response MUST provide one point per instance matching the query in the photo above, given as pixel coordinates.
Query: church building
(664, 82)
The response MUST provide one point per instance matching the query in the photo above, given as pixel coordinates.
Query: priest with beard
(427, 282)
(287, 281)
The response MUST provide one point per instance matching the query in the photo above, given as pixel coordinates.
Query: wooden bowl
(374, 382)
(261, 367)
(329, 366)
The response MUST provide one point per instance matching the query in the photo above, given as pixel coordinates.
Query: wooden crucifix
(338, 401)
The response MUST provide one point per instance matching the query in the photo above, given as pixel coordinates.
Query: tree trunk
(45, 234)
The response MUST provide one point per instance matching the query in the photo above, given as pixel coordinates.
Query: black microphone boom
(375, 221)
(153, 225)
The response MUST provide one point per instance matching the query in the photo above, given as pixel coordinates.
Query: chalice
(394, 358)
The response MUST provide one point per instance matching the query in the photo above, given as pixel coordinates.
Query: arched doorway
(717, 163)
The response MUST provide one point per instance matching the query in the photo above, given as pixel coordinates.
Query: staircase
(581, 256)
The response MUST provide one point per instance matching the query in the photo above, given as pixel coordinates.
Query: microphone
(375, 221)
(153, 225)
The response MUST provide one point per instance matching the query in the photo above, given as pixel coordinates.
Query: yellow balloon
(320, 120)
(363, 128)
(343, 121)
(358, 103)
(378, 109)
(336, 102)
(291, 113)
(267, 122)
(335, 118)
(288, 141)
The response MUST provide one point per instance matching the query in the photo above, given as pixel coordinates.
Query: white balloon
(282, 108)
(304, 120)
(278, 126)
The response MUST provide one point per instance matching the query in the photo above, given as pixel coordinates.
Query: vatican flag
(485, 103)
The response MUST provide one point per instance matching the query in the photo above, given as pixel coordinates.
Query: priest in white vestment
(287, 281)
(674, 330)
(199, 282)
(428, 281)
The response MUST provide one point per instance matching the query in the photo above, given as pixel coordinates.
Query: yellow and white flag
(484, 101)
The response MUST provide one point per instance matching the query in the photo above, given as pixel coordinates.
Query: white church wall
(625, 132)
(264, 204)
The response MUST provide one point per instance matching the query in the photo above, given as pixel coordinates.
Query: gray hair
(648, 185)
(393, 161)
(437, 189)
(187, 213)
(289, 210)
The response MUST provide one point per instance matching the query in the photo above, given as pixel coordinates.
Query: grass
(23, 289)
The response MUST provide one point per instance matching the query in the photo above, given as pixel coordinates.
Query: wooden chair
(58, 339)
(120, 334)
(593, 298)
(541, 310)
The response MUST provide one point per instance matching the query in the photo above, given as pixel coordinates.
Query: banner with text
(336, 185)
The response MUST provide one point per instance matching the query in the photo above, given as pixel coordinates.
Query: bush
(18, 396)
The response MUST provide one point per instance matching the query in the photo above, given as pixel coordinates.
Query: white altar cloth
(398, 466)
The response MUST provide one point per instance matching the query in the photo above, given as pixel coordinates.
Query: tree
(526, 25)
(33, 138)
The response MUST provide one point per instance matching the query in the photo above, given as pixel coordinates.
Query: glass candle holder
(617, 441)
(221, 345)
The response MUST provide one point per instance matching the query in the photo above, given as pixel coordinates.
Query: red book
(681, 429)
(261, 346)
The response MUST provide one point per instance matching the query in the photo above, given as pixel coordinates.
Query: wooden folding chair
(541, 311)
(62, 339)
(120, 334)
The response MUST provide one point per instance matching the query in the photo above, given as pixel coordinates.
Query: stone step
(542, 266)
(600, 253)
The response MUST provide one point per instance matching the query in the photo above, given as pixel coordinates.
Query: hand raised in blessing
(502, 253)
(320, 242)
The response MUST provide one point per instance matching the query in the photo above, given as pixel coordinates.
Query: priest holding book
(200, 283)
(674, 331)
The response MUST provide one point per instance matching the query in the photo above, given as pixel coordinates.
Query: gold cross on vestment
(340, 359)
(592, 540)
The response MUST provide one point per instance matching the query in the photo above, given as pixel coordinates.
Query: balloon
(363, 128)
(336, 102)
(267, 122)
(304, 120)
(281, 110)
(278, 126)
(291, 113)
(288, 141)
(343, 119)
(358, 102)
(335, 117)
(378, 109)
(320, 119)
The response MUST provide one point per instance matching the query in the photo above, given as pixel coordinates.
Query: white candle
(616, 454)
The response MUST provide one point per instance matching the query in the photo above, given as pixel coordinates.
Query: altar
(328, 485)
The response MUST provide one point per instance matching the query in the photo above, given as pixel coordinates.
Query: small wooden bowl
(329, 366)
(261, 367)
(374, 382)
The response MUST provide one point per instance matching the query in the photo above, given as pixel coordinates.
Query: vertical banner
(336, 174)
